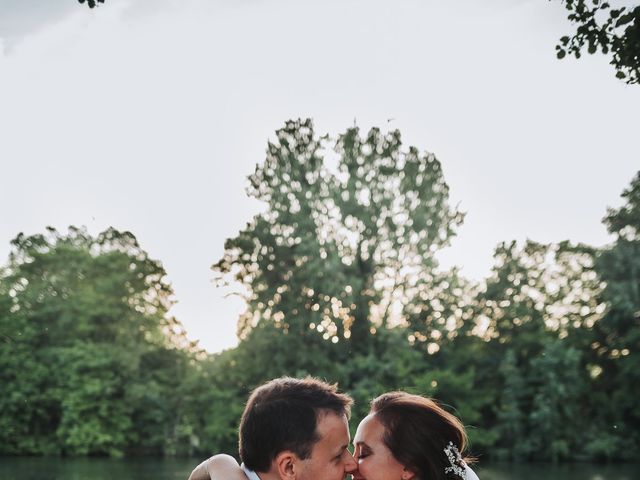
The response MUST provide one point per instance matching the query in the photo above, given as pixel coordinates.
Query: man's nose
(350, 464)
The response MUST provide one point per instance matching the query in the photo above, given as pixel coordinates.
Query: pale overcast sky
(148, 115)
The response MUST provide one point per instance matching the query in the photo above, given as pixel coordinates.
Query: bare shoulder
(219, 466)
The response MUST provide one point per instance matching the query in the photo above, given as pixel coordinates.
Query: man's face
(330, 459)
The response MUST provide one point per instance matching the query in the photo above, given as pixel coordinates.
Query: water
(24, 468)
(578, 471)
(12, 468)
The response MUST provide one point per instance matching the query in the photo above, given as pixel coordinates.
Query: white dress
(470, 474)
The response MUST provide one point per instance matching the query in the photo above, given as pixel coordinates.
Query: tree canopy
(85, 341)
(612, 30)
(540, 359)
(337, 249)
(91, 3)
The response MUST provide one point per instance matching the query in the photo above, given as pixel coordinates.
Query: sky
(148, 115)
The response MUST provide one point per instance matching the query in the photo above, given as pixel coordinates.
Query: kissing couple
(297, 429)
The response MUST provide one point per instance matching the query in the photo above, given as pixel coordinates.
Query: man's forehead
(333, 426)
(331, 415)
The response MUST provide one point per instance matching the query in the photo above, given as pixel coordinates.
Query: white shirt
(251, 475)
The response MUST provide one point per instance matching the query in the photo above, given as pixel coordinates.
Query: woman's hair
(417, 432)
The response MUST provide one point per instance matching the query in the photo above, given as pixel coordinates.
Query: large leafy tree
(611, 30)
(536, 306)
(335, 249)
(615, 340)
(82, 318)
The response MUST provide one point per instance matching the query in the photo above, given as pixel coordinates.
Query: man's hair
(282, 415)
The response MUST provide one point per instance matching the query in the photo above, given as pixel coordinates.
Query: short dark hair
(417, 431)
(282, 415)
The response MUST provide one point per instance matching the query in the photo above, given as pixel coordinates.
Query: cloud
(147, 115)
(19, 18)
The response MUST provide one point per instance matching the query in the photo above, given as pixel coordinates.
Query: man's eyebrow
(343, 448)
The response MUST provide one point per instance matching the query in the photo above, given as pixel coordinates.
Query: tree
(511, 422)
(615, 339)
(80, 316)
(537, 299)
(556, 419)
(441, 309)
(335, 249)
(91, 3)
(615, 30)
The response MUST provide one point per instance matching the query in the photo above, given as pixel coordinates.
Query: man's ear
(287, 465)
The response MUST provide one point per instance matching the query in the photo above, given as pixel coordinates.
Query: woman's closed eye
(363, 453)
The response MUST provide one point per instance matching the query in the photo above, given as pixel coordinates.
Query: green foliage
(510, 414)
(336, 248)
(80, 317)
(557, 387)
(615, 340)
(514, 356)
(625, 221)
(91, 3)
(599, 26)
(539, 360)
(603, 446)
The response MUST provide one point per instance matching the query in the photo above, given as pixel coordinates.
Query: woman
(409, 437)
(404, 437)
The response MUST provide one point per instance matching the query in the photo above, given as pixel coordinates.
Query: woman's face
(375, 461)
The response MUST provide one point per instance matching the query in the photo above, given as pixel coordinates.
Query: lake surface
(12, 468)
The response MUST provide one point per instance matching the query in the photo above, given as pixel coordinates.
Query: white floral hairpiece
(455, 459)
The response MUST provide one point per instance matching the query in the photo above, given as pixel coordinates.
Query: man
(291, 429)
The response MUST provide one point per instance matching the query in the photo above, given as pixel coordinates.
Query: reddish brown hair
(417, 430)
